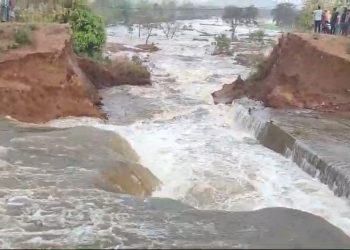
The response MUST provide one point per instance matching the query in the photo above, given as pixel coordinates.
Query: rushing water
(198, 150)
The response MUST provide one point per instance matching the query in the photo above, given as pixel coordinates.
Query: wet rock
(76, 158)
(128, 178)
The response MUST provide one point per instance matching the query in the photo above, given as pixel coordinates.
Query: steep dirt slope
(42, 81)
(301, 72)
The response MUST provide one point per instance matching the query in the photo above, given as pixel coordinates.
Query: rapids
(198, 150)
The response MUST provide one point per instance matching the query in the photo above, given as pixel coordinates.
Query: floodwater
(202, 156)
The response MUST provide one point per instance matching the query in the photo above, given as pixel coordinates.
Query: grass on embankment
(13, 36)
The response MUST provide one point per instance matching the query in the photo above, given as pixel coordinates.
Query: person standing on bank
(334, 19)
(4, 5)
(318, 19)
(12, 5)
(342, 21)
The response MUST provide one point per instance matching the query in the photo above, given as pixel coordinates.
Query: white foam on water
(198, 152)
(3, 151)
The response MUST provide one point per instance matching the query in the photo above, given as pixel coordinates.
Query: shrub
(22, 37)
(129, 72)
(32, 26)
(262, 68)
(88, 31)
(223, 44)
(136, 59)
(305, 21)
(257, 35)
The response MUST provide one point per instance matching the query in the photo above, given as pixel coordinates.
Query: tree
(146, 16)
(167, 14)
(223, 44)
(125, 7)
(251, 13)
(284, 14)
(88, 30)
(258, 36)
(233, 14)
(113, 10)
(170, 29)
(305, 18)
(170, 10)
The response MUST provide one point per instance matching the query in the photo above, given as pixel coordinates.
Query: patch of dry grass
(129, 72)
(13, 36)
(262, 68)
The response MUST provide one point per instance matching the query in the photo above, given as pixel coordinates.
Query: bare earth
(43, 81)
(301, 72)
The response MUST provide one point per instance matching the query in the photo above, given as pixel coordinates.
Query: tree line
(48, 4)
(287, 15)
(240, 15)
(130, 12)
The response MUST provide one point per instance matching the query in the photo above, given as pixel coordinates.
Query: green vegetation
(236, 15)
(257, 35)
(42, 15)
(129, 71)
(88, 31)
(285, 15)
(223, 45)
(22, 37)
(32, 26)
(125, 11)
(113, 11)
(262, 68)
(136, 59)
(305, 19)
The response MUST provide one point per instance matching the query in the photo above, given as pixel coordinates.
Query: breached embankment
(43, 79)
(301, 72)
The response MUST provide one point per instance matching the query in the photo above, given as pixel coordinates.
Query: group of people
(335, 23)
(7, 10)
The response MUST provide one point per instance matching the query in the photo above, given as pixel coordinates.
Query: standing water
(198, 150)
